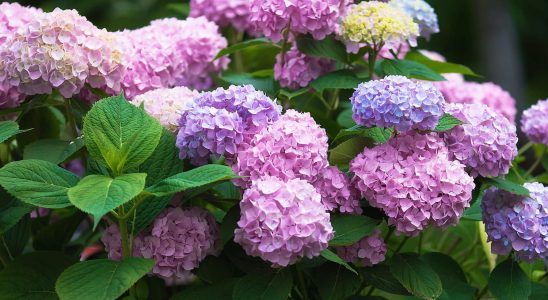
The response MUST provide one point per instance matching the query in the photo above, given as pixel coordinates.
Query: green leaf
(265, 84)
(335, 282)
(416, 276)
(56, 236)
(11, 211)
(508, 281)
(32, 276)
(379, 276)
(264, 285)
(98, 194)
(411, 69)
(221, 290)
(293, 94)
(345, 119)
(452, 277)
(243, 45)
(331, 256)
(180, 8)
(9, 129)
(215, 269)
(326, 48)
(38, 182)
(439, 66)
(201, 176)
(54, 151)
(507, 185)
(119, 134)
(473, 213)
(351, 228)
(447, 122)
(341, 79)
(101, 279)
(229, 224)
(376, 134)
(17, 237)
(346, 151)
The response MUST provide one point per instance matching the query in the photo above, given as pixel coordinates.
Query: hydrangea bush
(295, 149)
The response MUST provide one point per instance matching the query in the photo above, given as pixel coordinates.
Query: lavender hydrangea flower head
(295, 70)
(398, 102)
(337, 192)
(368, 251)
(534, 122)
(282, 222)
(223, 12)
(486, 143)
(412, 180)
(422, 13)
(167, 105)
(295, 146)
(221, 121)
(517, 223)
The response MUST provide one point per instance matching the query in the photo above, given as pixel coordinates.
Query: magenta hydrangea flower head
(296, 70)
(282, 221)
(337, 192)
(295, 146)
(223, 12)
(221, 121)
(534, 122)
(517, 223)
(422, 13)
(414, 182)
(315, 17)
(167, 105)
(398, 102)
(368, 251)
(486, 143)
(178, 240)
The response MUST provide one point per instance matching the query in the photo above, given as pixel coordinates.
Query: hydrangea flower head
(368, 251)
(223, 12)
(167, 105)
(337, 192)
(412, 180)
(281, 221)
(221, 121)
(295, 146)
(486, 143)
(296, 70)
(534, 122)
(517, 223)
(398, 102)
(422, 13)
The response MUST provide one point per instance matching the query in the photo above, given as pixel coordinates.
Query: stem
(525, 148)
(516, 172)
(126, 249)
(370, 291)
(371, 60)
(400, 245)
(70, 119)
(389, 234)
(5, 257)
(482, 292)
(284, 44)
(535, 165)
(420, 244)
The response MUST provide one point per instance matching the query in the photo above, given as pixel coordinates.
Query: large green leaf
(101, 279)
(508, 185)
(38, 182)
(56, 236)
(377, 135)
(119, 134)
(220, 290)
(411, 69)
(32, 276)
(264, 285)
(416, 276)
(266, 84)
(379, 276)
(326, 48)
(453, 280)
(229, 224)
(351, 228)
(331, 256)
(447, 122)
(17, 237)
(345, 119)
(439, 66)
(98, 194)
(9, 129)
(11, 211)
(54, 151)
(341, 79)
(334, 282)
(346, 151)
(508, 281)
(243, 45)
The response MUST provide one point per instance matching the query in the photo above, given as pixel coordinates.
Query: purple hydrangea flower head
(518, 223)
(296, 70)
(221, 121)
(167, 104)
(422, 13)
(178, 240)
(223, 12)
(295, 146)
(412, 180)
(398, 102)
(282, 221)
(368, 251)
(315, 17)
(486, 143)
(534, 122)
(337, 192)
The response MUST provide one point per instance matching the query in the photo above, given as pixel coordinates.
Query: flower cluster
(282, 221)
(368, 251)
(534, 122)
(398, 102)
(517, 222)
(223, 12)
(167, 105)
(422, 13)
(221, 121)
(178, 240)
(295, 70)
(486, 143)
(337, 192)
(413, 181)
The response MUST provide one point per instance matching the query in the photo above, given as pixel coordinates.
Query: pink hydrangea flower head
(368, 251)
(412, 180)
(518, 223)
(295, 146)
(486, 143)
(422, 13)
(223, 12)
(296, 70)
(534, 122)
(167, 104)
(221, 121)
(398, 102)
(316, 17)
(337, 192)
(282, 222)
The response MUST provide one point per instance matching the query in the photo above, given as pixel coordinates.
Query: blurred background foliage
(504, 40)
